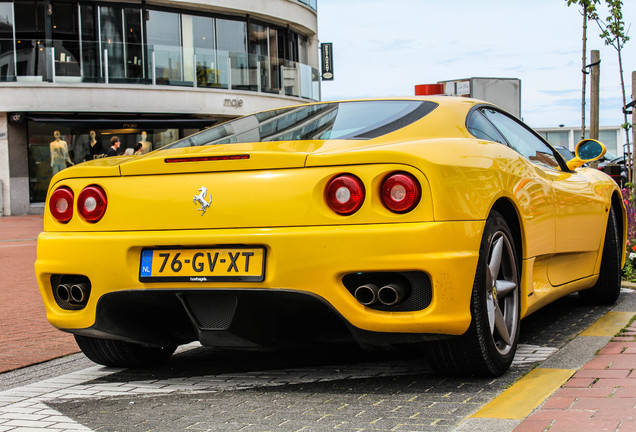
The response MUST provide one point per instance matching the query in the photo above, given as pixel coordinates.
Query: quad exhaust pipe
(74, 294)
(79, 293)
(391, 294)
(63, 292)
(388, 295)
(367, 294)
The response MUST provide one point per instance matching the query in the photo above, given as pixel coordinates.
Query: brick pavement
(601, 396)
(26, 337)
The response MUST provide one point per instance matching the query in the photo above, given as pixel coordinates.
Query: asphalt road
(314, 388)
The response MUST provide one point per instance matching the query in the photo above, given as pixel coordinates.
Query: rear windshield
(343, 120)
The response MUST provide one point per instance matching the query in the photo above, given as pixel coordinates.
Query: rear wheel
(118, 353)
(489, 345)
(608, 286)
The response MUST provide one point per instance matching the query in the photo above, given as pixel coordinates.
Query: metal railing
(311, 3)
(70, 62)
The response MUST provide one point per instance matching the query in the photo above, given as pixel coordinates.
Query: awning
(133, 122)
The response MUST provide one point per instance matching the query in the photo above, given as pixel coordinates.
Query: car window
(482, 128)
(344, 120)
(565, 152)
(522, 140)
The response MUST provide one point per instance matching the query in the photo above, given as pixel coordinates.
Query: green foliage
(589, 6)
(613, 29)
(629, 271)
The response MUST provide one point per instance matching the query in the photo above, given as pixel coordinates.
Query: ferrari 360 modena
(434, 222)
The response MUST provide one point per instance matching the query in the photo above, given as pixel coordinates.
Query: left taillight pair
(91, 203)
(400, 192)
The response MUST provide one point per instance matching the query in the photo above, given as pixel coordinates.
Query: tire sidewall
(496, 362)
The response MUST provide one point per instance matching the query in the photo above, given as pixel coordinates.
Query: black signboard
(326, 50)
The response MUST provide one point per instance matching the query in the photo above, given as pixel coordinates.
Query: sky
(386, 47)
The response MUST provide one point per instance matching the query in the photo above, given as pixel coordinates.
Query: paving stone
(591, 425)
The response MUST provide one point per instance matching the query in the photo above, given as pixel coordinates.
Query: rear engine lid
(223, 157)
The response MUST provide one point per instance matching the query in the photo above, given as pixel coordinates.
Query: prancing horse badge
(200, 199)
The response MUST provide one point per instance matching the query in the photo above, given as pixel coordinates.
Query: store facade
(74, 74)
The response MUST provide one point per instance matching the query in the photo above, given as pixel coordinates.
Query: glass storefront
(76, 42)
(54, 146)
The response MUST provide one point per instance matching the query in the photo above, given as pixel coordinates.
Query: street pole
(584, 73)
(594, 94)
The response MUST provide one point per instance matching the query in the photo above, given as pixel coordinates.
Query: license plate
(214, 264)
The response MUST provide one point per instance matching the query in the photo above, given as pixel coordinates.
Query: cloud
(382, 50)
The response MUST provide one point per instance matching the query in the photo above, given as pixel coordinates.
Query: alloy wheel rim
(502, 293)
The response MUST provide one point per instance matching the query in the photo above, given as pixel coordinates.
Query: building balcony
(151, 68)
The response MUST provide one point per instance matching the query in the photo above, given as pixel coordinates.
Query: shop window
(66, 41)
(164, 46)
(259, 56)
(133, 47)
(53, 147)
(50, 151)
(31, 51)
(91, 63)
(274, 62)
(232, 46)
(204, 52)
(7, 57)
(112, 47)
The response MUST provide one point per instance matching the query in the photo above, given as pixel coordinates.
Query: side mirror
(587, 150)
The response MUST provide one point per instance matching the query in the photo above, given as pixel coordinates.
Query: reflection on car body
(434, 221)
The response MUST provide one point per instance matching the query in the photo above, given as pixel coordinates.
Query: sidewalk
(26, 337)
(589, 385)
(601, 396)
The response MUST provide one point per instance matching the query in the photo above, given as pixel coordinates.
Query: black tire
(488, 347)
(118, 353)
(608, 286)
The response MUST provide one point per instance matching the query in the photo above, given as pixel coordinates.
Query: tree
(614, 34)
(589, 12)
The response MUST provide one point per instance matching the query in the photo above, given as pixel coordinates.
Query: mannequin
(59, 154)
(145, 144)
(95, 146)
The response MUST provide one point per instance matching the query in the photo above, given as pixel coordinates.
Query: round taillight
(345, 194)
(401, 192)
(61, 204)
(91, 203)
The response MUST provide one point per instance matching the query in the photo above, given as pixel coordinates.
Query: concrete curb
(574, 355)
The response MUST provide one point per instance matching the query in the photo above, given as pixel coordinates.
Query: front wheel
(116, 353)
(489, 345)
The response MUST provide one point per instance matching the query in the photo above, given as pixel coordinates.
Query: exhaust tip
(71, 292)
(366, 294)
(391, 294)
(63, 292)
(79, 293)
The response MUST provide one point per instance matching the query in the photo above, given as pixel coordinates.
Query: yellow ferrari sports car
(434, 221)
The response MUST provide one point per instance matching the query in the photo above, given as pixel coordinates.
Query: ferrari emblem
(200, 199)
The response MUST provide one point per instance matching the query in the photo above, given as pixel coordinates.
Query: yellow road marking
(609, 324)
(526, 394)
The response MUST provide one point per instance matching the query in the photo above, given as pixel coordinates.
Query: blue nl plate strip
(146, 263)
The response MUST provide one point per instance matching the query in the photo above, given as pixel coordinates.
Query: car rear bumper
(300, 260)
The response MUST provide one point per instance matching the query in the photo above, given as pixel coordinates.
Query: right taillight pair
(91, 203)
(400, 192)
